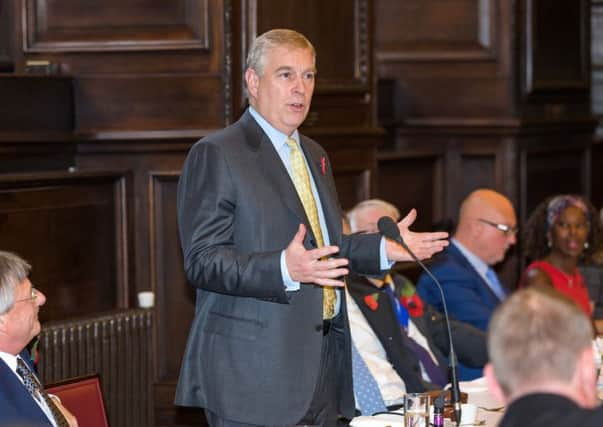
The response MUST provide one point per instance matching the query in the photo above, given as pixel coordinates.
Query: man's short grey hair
(279, 37)
(13, 271)
(536, 335)
(368, 204)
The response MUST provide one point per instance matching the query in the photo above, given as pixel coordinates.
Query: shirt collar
(277, 137)
(10, 360)
(473, 259)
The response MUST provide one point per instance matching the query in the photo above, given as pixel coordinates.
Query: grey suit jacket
(253, 352)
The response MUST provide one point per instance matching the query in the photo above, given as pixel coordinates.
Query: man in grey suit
(260, 228)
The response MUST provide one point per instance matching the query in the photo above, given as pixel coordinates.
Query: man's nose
(40, 298)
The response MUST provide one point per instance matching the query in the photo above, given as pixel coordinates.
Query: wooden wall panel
(446, 58)
(435, 29)
(553, 170)
(141, 65)
(411, 181)
(175, 297)
(73, 229)
(555, 47)
(70, 25)
(597, 63)
(135, 102)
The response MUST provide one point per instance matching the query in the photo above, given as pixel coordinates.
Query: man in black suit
(542, 367)
(260, 228)
(390, 325)
(21, 405)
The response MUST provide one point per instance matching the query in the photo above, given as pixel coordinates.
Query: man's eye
(285, 75)
(309, 76)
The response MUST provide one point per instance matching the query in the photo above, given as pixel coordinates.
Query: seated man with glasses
(23, 401)
(486, 229)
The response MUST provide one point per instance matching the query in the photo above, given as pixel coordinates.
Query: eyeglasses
(31, 298)
(507, 230)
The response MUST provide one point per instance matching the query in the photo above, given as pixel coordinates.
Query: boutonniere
(411, 300)
(371, 301)
(323, 165)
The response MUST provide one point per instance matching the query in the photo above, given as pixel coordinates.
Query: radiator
(117, 346)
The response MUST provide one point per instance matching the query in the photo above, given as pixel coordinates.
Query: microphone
(388, 228)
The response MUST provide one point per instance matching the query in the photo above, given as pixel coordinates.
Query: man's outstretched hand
(423, 245)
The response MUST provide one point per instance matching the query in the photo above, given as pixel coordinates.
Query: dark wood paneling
(114, 25)
(597, 175)
(408, 181)
(36, 103)
(435, 29)
(175, 297)
(597, 61)
(553, 169)
(444, 58)
(477, 172)
(555, 47)
(138, 64)
(72, 228)
(136, 102)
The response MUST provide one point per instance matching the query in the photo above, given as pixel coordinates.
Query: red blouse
(571, 286)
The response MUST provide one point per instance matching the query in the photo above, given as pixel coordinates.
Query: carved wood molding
(482, 48)
(541, 52)
(44, 32)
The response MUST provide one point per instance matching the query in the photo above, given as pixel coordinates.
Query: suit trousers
(323, 407)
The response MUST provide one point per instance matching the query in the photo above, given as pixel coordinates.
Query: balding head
(477, 230)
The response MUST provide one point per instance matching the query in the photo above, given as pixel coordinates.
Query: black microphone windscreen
(388, 228)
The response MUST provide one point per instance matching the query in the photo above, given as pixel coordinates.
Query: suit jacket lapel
(485, 289)
(328, 199)
(269, 162)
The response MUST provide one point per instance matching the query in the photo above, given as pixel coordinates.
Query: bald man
(486, 230)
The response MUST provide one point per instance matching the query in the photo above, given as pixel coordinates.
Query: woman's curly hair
(535, 232)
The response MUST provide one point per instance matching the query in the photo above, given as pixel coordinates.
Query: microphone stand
(385, 228)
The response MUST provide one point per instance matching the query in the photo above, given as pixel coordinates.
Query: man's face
(283, 93)
(20, 324)
(367, 219)
(494, 242)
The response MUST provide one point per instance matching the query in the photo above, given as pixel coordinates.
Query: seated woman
(559, 233)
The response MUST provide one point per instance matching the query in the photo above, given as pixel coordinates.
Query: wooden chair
(83, 397)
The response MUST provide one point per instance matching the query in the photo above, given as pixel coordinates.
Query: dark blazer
(254, 350)
(468, 296)
(469, 342)
(17, 407)
(549, 410)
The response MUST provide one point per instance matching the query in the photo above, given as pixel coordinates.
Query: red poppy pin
(414, 305)
(371, 301)
(323, 165)
(411, 300)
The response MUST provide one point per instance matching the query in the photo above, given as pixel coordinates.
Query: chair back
(83, 397)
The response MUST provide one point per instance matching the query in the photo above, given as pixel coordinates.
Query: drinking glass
(416, 410)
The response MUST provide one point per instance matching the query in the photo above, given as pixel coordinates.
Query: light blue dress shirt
(279, 141)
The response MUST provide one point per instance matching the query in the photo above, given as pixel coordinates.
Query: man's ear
(585, 378)
(252, 81)
(493, 385)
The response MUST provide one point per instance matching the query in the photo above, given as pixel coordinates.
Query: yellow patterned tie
(301, 180)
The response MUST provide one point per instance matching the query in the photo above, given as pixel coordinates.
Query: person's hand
(69, 417)
(314, 266)
(423, 245)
